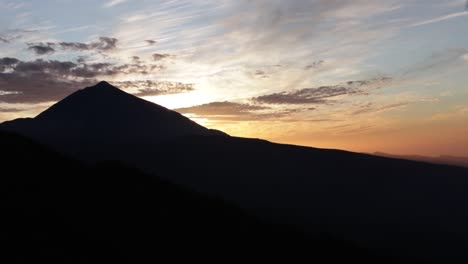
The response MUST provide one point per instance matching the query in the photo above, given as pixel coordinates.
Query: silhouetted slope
(415, 211)
(57, 211)
(104, 114)
(447, 160)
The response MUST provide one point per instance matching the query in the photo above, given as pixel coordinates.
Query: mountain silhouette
(410, 210)
(56, 210)
(104, 114)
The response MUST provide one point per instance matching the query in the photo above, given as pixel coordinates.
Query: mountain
(104, 114)
(57, 210)
(414, 211)
(443, 159)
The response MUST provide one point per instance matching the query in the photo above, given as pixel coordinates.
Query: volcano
(104, 114)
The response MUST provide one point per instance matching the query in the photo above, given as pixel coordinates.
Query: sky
(358, 75)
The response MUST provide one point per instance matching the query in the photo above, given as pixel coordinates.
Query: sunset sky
(360, 75)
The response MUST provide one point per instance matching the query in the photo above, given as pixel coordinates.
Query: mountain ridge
(441, 159)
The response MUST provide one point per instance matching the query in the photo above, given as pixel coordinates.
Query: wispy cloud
(440, 19)
(235, 112)
(371, 108)
(322, 94)
(113, 3)
(161, 56)
(10, 110)
(155, 88)
(222, 108)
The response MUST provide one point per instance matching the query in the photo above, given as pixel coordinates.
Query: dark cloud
(261, 74)
(42, 48)
(7, 63)
(50, 80)
(151, 42)
(38, 87)
(320, 95)
(52, 67)
(76, 46)
(81, 59)
(314, 65)
(4, 40)
(103, 44)
(39, 81)
(153, 88)
(159, 56)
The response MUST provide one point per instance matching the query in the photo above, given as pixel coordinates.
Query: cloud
(439, 19)
(151, 42)
(7, 92)
(232, 112)
(370, 108)
(314, 65)
(322, 94)
(222, 108)
(10, 110)
(436, 62)
(41, 48)
(39, 88)
(159, 56)
(11, 35)
(305, 96)
(102, 44)
(6, 63)
(261, 74)
(50, 80)
(154, 88)
(78, 46)
(113, 3)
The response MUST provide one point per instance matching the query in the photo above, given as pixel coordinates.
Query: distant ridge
(105, 114)
(443, 159)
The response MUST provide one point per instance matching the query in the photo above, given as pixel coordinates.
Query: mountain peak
(104, 113)
(103, 84)
(102, 88)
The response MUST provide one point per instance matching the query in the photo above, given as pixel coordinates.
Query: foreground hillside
(58, 211)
